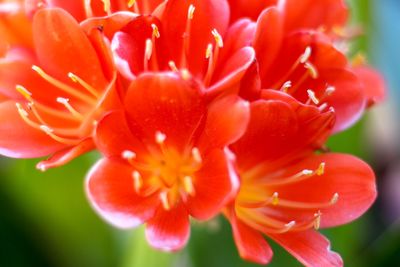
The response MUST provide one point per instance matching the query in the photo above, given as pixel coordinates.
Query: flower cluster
(199, 107)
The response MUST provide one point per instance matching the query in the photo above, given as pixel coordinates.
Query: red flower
(166, 158)
(287, 190)
(183, 36)
(54, 96)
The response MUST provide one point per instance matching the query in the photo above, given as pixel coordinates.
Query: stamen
(185, 74)
(188, 185)
(172, 65)
(275, 199)
(191, 12)
(306, 55)
(209, 51)
(312, 97)
(131, 3)
(88, 8)
(50, 132)
(21, 110)
(290, 225)
(137, 181)
(107, 6)
(330, 90)
(311, 69)
(24, 92)
(323, 107)
(196, 155)
(317, 220)
(164, 200)
(85, 85)
(335, 198)
(147, 53)
(156, 33)
(321, 169)
(67, 89)
(285, 87)
(74, 112)
(160, 137)
(218, 38)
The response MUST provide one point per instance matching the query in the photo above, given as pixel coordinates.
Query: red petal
(310, 248)
(345, 175)
(249, 8)
(267, 42)
(229, 74)
(124, 50)
(110, 190)
(168, 230)
(208, 15)
(314, 14)
(226, 122)
(64, 156)
(280, 130)
(216, 183)
(113, 136)
(166, 103)
(18, 139)
(251, 244)
(373, 83)
(63, 47)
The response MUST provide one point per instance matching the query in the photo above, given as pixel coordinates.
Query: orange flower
(55, 94)
(166, 158)
(287, 190)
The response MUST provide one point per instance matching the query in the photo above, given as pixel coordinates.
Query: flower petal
(325, 13)
(168, 230)
(208, 15)
(226, 122)
(166, 103)
(216, 183)
(351, 179)
(109, 187)
(251, 244)
(18, 139)
(113, 136)
(62, 47)
(373, 83)
(309, 247)
(249, 8)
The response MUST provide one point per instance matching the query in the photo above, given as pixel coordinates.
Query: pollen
(160, 137)
(191, 10)
(275, 199)
(209, 51)
(156, 32)
(131, 3)
(218, 38)
(188, 185)
(24, 92)
(321, 169)
(285, 87)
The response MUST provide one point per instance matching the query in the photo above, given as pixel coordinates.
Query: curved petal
(268, 42)
(324, 13)
(113, 136)
(226, 122)
(19, 140)
(62, 47)
(373, 83)
(281, 129)
(75, 8)
(310, 248)
(64, 156)
(109, 187)
(250, 243)
(166, 103)
(216, 183)
(168, 230)
(345, 178)
(249, 8)
(208, 15)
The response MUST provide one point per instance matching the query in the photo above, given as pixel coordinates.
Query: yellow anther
(311, 69)
(188, 185)
(306, 55)
(196, 155)
(209, 51)
(311, 95)
(218, 38)
(156, 33)
(335, 198)
(321, 169)
(275, 199)
(24, 92)
(107, 6)
(164, 200)
(160, 137)
(317, 220)
(285, 87)
(131, 3)
(137, 181)
(172, 65)
(191, 12)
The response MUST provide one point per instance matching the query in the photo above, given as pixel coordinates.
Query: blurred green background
(45, 219)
